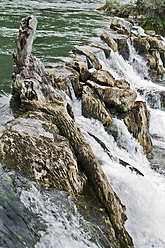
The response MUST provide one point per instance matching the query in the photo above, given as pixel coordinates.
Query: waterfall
(143, 196)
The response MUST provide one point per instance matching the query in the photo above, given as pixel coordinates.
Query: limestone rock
(93, 107)
(155, 42)
(136, 120)
(110, 41)
(160, 71)
(122, 99)
(121, 25)
(82, 68)
(150, 32)
(38, 150)
(106, 49)
(35, 146)
(81, 50)
(122, 84)
(141, 44)
(151, 61)
(162, 55)
(103, 77)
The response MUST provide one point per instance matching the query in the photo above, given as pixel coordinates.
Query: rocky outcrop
(93, 107)
(122, 99)
(103, 78)
(89, 55)
(46, 144)
(110, 41)
(136, 120)
(152, 49)
(38, 150)
(121, 25)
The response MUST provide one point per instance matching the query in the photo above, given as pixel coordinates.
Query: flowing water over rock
(48, 218)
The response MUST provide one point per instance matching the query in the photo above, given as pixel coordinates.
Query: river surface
(31, 216)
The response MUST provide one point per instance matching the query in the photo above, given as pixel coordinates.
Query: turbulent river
(31, 216)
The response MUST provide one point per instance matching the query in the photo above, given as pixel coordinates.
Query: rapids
(49, 218)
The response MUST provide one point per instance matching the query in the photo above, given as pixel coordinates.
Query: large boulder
(103, 77)
(91, 56)
(122, 99)
(93, 107)
(110, 41)
(155, 42)
(137, 122)
(121, 25)
(141, 44)
(33, 145)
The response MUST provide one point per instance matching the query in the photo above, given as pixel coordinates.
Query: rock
(37, 145)
(110, 41)
(103, 77)
(152, 63)
(153, 74)
(82, 68)
(93, 107)
(155, 53)
(38, 150)
(141, 44)
(155, 42)
(106, 49)
(150, 32)
(122, 84)
(162, 55)
(81, 50)
(122, 99)
(160, 71)
(121, 25)
(122, 46)
(136, 120)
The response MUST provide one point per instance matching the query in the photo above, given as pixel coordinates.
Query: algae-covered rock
(93, 107)
(137, 122)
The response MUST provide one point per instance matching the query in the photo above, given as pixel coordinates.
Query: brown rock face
(103, 77)
(136, 120)
(110, 41)
(122, 99)
(93, 107)
(81, 50)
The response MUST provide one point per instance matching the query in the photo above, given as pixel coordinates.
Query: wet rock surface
(46, 144)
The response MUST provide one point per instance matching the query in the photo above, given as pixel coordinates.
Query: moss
(55, 101)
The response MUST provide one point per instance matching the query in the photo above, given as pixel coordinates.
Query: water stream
(49, 218)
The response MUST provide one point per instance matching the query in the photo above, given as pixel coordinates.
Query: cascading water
(46, 217)
(143, 196)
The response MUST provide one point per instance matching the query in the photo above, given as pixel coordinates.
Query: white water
(143, 196)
